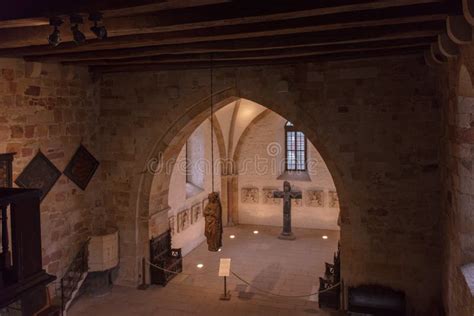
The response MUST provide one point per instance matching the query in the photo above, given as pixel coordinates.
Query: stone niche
(103, 251)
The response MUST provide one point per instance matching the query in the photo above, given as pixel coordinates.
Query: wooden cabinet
(22, 271)
(165, 257)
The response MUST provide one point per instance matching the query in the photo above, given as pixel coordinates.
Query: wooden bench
(163, 256)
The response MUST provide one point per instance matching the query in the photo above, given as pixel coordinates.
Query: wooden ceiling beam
(264, 55)
(447, 46)
(35, 12)
(468, 9)
(230, 21)
(459, 30)
(283, 61)
(24, 13)
(254, 44)
(230, 33)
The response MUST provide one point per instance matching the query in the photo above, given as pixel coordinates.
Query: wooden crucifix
(287, 195)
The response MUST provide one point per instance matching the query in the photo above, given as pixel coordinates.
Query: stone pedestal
(103, 260)
(287, 236)
(103, 251)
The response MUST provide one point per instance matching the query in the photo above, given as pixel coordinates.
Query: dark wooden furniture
(330, 284)
(376, 300)
(23, 271)
(162, 255)
(6, 181)
(6, 170)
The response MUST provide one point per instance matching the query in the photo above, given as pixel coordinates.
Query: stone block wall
(376, 124)
(52, 108)
(458, 182)
(261, 161)
(179, 197)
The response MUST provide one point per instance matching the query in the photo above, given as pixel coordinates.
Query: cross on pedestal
(287, 195)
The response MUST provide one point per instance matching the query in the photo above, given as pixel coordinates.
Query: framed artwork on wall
(333, 199)
(249, 195)
(82, 167)
(184, 220)
(267, 196)
(40, 173)
(172, 224)
(196, 213)
(315, 198)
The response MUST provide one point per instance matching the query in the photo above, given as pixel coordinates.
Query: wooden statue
(213, 221)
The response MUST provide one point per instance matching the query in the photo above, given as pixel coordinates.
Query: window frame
(290, 128)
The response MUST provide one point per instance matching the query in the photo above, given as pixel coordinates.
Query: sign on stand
(224, 267)
(224, 271)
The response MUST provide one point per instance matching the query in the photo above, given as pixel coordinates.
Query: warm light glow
(247, 112)
(325, 237)
(232, 236)
(199, 265)
(219, 250)
(255, 232)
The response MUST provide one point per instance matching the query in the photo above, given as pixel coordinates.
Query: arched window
(295, 148)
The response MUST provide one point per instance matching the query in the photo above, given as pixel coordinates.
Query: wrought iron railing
(73, 274)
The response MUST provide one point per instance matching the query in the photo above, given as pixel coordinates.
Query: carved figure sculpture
(213, 222)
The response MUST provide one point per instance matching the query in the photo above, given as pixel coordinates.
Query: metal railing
(73, 275)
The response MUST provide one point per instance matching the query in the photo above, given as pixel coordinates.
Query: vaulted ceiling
(147, 34)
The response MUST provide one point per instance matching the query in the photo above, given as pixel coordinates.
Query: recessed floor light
(255, 232)
(199, 265)
(220, 249)
(325, 237)
(232, 236)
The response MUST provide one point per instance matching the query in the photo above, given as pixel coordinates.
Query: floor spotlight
(232, 236)
(99, 31)
(79, 37)
(199, 265)
(55, 38)
(255, 232)
(325, 237)
(220, 249)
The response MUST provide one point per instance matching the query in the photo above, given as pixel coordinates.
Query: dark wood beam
(187, 22)
(405, 31)
(267, 54)
(23, 13)
(234, 32)
(221, 15)
(418, 51)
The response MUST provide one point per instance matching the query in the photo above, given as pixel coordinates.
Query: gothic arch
(168, 146)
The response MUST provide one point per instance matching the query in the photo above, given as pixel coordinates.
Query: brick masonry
(53, 111)
(387, 130)
(376, 124)
(260, 169)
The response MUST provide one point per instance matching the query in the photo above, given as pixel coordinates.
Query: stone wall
(53, 109)
(180, 198)
(261, 162)
(375, 123)
(458, 181)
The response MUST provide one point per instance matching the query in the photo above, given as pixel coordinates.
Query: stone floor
(279, 266)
